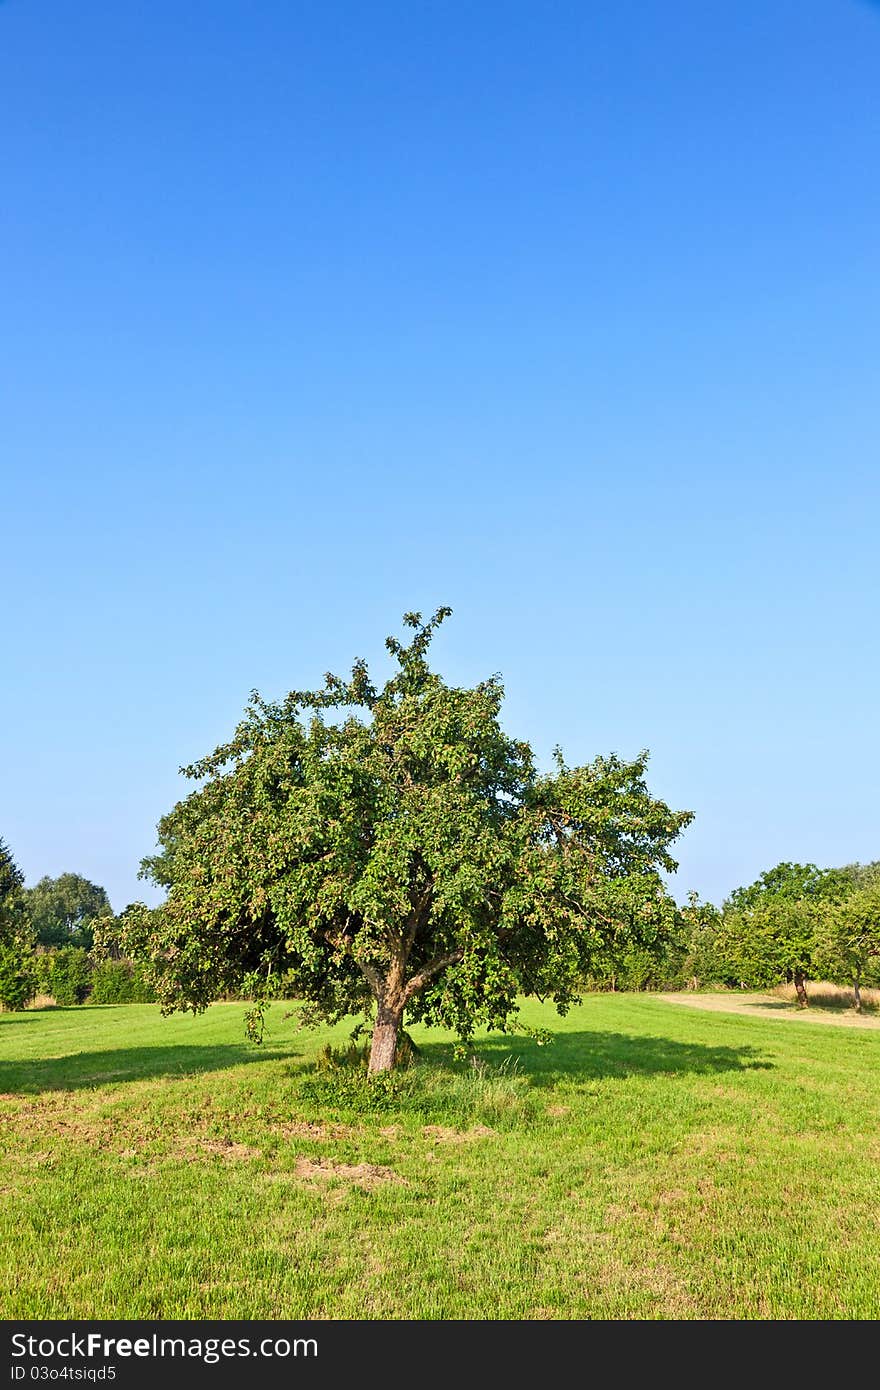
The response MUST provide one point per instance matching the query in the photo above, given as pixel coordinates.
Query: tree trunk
(857, 995)
(800, 989)
(383, 1052)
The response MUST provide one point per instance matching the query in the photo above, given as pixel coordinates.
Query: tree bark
(392, 996)
(383, 1051)
(800, 989)
(857, 995)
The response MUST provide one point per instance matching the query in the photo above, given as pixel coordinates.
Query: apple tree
(393, 850)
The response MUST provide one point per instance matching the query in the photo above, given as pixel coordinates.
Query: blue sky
(564, 314)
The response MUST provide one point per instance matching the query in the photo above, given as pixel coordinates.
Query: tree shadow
(28, 1015)
(593, 1056)
(80, 1070)
(762, 1004)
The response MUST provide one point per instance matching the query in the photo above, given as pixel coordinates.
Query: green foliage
(11, 877)
(700, 962)
(408, 857)
(120, 982)
(346, 1091)
(66, 973)
(768, 931)
(684, 957)
(63, 911)
(17, 978)
(789, 925)
(13, 927)
(73, 976)
(109, 933)
(769, 943)
(848, 941)
(640, 968)
(18, 982)
(42, 966)
(789, 882)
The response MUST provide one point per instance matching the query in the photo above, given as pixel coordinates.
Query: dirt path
(766, 1006)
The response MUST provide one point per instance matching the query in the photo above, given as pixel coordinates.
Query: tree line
(59, 939)
(795, 923)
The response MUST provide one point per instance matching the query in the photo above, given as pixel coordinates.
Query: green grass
(654, 1162)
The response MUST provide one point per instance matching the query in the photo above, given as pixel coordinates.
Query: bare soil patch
(366, 1175)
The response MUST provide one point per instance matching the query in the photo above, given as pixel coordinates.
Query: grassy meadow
(655, 1161)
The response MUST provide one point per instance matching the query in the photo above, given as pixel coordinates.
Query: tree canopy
(788, 882)
(848, 937)
(406, 857)
(771, 929)
(11, 880)
(63, 911)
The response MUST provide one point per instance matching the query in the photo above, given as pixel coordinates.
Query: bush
(120, 982)
(42, 966)
(18, 981)
(69, 975)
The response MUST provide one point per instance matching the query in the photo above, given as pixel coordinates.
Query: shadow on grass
(573, 1057)
(28, 1015)
(819, 1006)
(592, 1056)
(83, 1069)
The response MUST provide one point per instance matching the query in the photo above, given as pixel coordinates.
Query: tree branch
(373, 978)
(428, 972)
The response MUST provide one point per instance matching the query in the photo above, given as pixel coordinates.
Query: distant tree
(770, 943)
(699, 923)
(848, 943)
(62, 911)
(860, 875)
(408, 858)
(768, 931)
(11, 878)
(17, 979)
(789, 882)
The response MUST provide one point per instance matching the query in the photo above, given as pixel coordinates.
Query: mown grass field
(654, 1162)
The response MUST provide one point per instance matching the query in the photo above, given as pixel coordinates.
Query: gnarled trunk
(392, 993)
(383, 1052)
(800, 989)
(857, 994)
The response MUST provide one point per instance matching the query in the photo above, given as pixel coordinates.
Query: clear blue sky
(565, 314)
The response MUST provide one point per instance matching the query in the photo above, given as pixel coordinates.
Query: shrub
(69, 975)
(120, 982)
(18, 982)
(42, 966)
